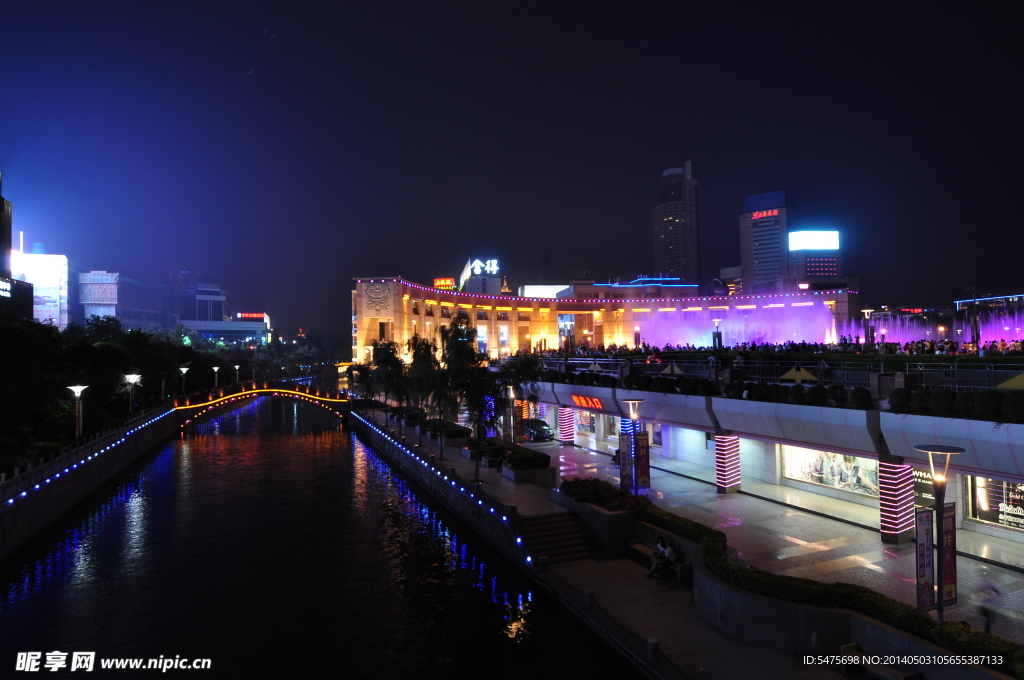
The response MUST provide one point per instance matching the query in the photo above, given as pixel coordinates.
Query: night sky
(285, 148)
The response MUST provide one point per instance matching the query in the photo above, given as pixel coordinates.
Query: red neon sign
(586, 402)
(758, 214)
(250, 315)
(444, 284)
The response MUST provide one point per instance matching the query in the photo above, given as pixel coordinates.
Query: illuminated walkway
(786, 540)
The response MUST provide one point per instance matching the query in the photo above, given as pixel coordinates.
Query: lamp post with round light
(132, 379)
(636, 337)
(77, 389)
(939, 480)
(184, 370)
(215, 381)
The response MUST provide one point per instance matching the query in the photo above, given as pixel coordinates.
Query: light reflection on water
(270, 531)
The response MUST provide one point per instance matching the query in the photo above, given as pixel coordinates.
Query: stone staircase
(560, 536)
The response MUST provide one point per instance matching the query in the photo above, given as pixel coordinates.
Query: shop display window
(834, 470)
(996, 501)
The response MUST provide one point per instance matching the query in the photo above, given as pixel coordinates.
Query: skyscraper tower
(5, 232)
(764, 230)
(677, 226)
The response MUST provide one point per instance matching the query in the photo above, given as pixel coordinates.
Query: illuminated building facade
(135, 304)
(676, 221)
(48, 275)
(660, 311)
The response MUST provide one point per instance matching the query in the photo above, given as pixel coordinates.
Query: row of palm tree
(447, 378)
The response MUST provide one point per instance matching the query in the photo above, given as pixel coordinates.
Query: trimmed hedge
(602, 494)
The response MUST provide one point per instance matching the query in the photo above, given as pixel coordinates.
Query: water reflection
(270, 530)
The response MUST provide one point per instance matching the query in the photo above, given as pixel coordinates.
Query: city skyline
(288, 150)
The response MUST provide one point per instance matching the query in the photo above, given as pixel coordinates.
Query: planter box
(613, 530)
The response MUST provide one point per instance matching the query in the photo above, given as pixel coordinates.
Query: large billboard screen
(814, 240)
(834, 470)
(48, 275)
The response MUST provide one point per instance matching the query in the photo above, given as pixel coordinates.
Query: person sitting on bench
(664, 557)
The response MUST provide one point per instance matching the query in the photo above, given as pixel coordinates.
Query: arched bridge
(189, 409)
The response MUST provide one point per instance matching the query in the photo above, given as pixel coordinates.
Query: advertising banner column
(948, 554)
(924, 519)
(642, 460)
(625, 462)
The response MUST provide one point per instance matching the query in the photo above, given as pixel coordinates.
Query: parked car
(536, 430)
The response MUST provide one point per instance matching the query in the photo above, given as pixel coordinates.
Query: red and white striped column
(566, 426)
(727, 463)
(895, 501)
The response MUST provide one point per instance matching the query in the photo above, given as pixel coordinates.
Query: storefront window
(586, 422)
(997, 502)
(834, 470)
(611, 427)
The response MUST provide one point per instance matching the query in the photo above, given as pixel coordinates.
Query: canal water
(277, 546)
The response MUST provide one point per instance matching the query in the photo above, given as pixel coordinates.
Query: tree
(389, 373)
(424, 374)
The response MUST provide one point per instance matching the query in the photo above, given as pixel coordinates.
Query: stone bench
(683, 570)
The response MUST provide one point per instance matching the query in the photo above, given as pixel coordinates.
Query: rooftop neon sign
(758, 214)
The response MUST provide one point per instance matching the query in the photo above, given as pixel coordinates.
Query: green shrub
(681, 526)
(748, 390)
(861, 398)
(706, 388)
(1013, 407)
(964, 404)
(522, 458)
(733, 390)
(988, 405)
(943, 402)
(958, 638)
(762, 392)
(899, 400)
(798, 394)
(920, 401)
(817, 395)
(837, 393)
(777, 393)
(602, 494)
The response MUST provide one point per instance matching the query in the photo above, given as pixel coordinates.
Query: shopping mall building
(855, 465)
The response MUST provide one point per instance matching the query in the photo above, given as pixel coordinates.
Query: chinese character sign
(948, 554)
(625, 462)
(925, 559)
(643, 460)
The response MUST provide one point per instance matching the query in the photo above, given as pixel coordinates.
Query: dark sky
(285, 148)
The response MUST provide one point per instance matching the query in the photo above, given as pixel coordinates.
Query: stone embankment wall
(488, 519)
(35, 498)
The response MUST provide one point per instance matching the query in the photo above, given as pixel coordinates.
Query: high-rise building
(5, 233)
(764, 230)
(15, 295)
(48, 275)
(676, 221)
(815, 255)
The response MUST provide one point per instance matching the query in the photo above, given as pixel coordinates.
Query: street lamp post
(184, 370)
(132, 380)
(215, 382)
(236, 373)
(636, 337)
(716, 335)
(634, 416)
(939, 480)
(77, 389)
